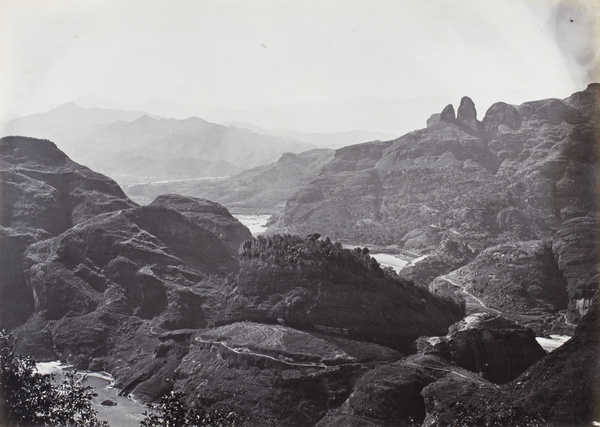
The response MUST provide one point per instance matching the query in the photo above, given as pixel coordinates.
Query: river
(126, 412)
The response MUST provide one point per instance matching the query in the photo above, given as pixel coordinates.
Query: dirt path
(471, 300)
(320, 365)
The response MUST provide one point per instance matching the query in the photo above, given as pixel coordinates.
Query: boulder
(496, 348)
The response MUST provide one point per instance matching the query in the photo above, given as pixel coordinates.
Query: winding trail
(564, 316)
(469, 295)
(452, 371)
(247, 352)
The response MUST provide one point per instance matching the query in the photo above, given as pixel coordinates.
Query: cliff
(513, 193)
(517, 174)
(315, 284)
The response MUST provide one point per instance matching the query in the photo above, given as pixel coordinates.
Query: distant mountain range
(135, 147)
(390, 116)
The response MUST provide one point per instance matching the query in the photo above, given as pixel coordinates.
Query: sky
(240, 54)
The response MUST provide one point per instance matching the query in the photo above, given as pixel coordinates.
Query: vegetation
(30, 398)
(172, 412)
(293, 250)
(495, 415)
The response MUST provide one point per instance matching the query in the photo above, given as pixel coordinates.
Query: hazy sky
(239, 53)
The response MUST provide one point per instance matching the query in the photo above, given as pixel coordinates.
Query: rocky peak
(467, 114)
(502, 113)
(21, 151)
(286, 158)
(447, 114)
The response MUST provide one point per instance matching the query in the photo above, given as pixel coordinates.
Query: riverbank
(124, 413)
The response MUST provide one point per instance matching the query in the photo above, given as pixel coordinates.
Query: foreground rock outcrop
(560, 390)
(490, 345)
(275, 374)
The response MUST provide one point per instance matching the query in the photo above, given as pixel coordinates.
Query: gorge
(294, 328)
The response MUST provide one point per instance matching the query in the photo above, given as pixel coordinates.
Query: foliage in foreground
(495, 415)
(30, 398)
(172, 412)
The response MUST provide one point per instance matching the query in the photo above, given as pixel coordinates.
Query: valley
(474, 279)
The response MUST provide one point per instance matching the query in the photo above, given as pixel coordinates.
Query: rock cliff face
(520, 172)
(575, 250)
(516, 278)
(43, 190)
(42, 194)
(524, 173)
(90, 277)
(120, 279)
(315, 284)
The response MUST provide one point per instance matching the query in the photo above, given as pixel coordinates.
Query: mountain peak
(144, 120)
(467, 114)
(448, 114)
(69, 106)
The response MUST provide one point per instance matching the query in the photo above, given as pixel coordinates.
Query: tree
(172, 412)
(30, 398)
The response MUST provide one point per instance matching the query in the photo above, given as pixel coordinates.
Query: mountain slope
(464, 184)
(42, 194)
(65, 121)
